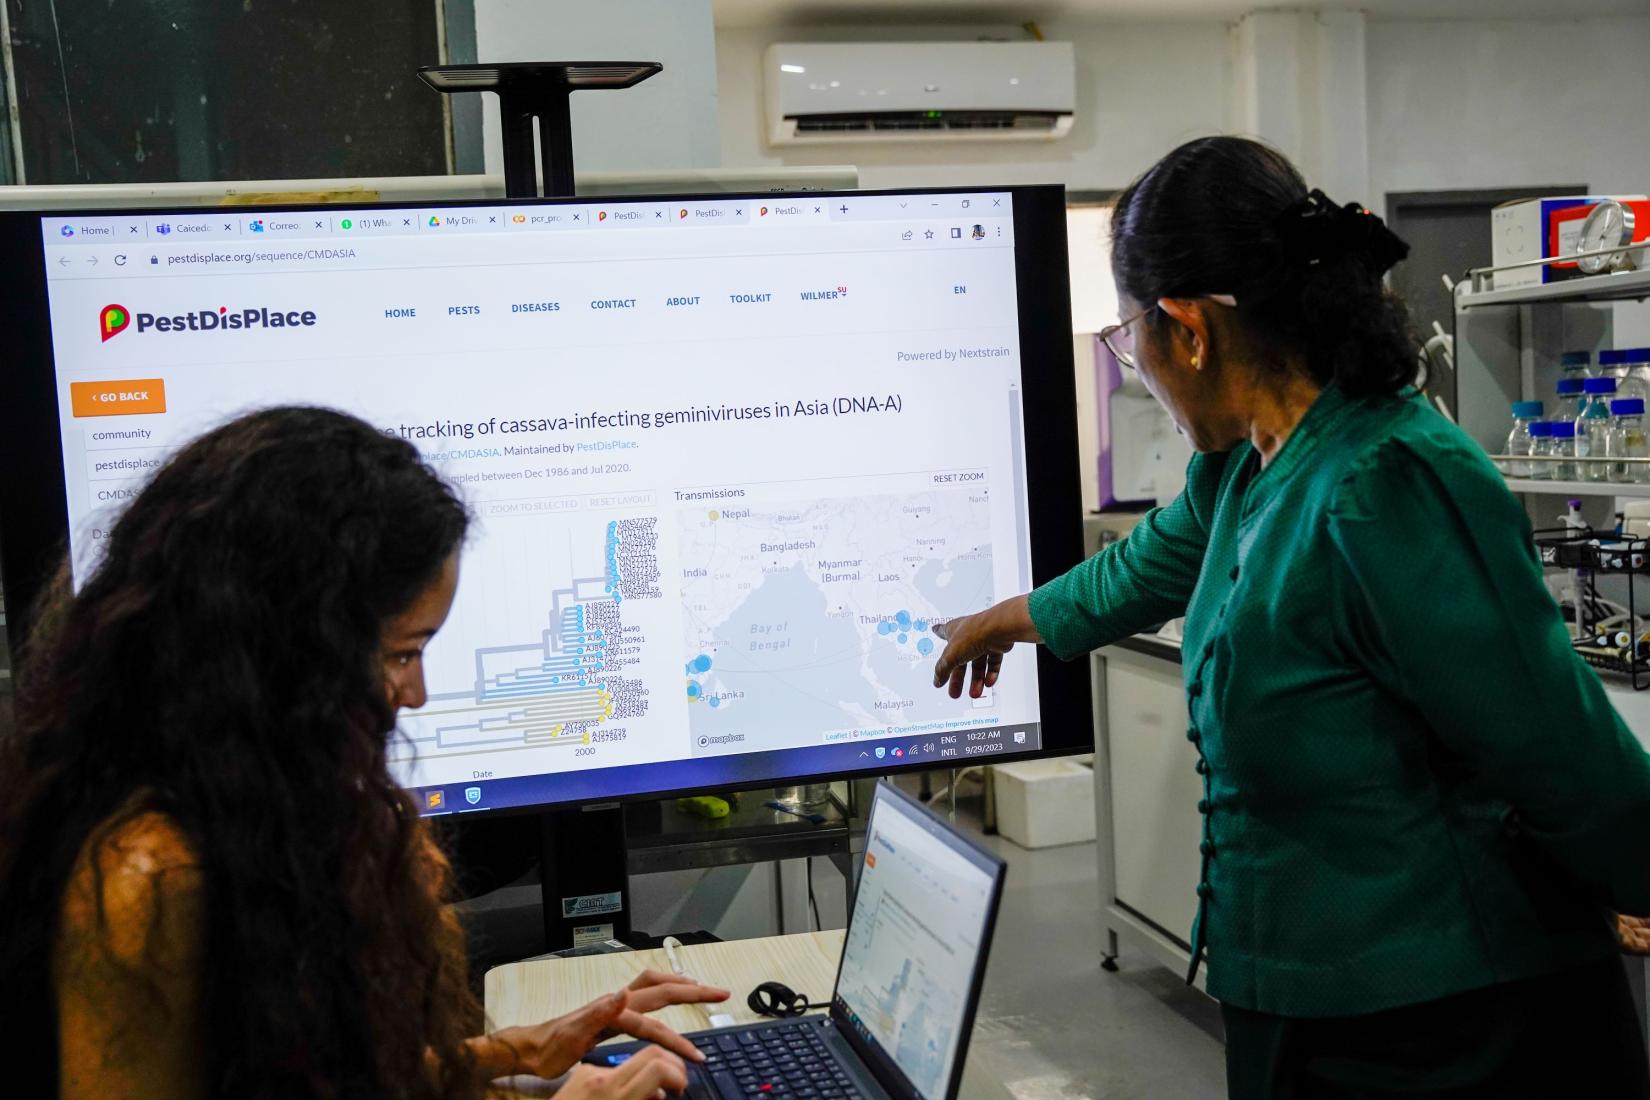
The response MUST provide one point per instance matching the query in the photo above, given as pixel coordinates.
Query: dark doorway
(1448, 232)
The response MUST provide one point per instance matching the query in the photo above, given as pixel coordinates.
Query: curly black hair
(1219, 215)
(221, 666)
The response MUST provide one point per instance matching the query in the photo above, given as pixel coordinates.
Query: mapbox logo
(115, 319)
(112, 321)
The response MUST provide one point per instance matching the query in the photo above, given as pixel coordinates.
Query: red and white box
(1564, 233)
(1522, 230)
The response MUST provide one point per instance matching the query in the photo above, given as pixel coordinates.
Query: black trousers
(1573, 1034)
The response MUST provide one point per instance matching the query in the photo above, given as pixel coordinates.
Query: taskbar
(733, 771)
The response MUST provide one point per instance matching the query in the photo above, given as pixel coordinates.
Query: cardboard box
(1520, 231)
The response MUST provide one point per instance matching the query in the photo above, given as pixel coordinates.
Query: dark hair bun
(1227, 215)
(1315, 229)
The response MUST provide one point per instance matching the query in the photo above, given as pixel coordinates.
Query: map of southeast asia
(818, 615)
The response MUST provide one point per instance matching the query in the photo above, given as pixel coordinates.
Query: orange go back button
(119, 398)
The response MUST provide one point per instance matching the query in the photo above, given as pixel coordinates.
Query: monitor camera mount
(540, 91)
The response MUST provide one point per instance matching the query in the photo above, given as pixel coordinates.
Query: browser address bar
(207, 258)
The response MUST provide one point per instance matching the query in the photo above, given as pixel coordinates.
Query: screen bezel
(880, 1062)
(34, 510)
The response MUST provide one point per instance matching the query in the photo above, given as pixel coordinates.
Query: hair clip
(1315, 230)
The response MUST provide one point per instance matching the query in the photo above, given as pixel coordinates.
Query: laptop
(906, 990)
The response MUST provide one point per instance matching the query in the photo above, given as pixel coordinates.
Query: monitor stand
(583, 864)
(538, 92)
(584, 876)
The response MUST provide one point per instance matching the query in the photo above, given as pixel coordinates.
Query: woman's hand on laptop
(551, 1048)
(651, 1073)
(652, 990)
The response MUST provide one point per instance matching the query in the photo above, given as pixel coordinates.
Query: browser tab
(791, 210)
(474, 220)
(81, 230)
(376, 223)
(545, 217)
(285, 225)
(634, 215)
(732, 212)
(195, 227)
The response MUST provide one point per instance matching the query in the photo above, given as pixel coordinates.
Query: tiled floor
(1054, 1025)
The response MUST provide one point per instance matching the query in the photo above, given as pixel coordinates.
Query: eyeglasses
(1120, 341)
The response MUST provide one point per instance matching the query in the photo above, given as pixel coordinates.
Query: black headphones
(778, 999)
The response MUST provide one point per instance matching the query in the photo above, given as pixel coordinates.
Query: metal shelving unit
(1579, 488)
(1570, 487)
(1507, 347)
(1507, 343)
(1623, 286)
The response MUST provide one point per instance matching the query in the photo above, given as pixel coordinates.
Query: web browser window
(731, 460)
(913, 945)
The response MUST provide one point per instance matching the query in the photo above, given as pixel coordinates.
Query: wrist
(1013, 620)
(498, 1054)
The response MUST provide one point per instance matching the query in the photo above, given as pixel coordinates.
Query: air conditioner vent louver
(915, 120)
(919, 91)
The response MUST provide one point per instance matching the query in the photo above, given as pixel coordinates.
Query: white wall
(1450, 104)
(667, 122)
(1298, 82)
(1142, 88)
(1489, 103)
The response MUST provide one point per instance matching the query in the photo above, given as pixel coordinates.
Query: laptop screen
(916, 942)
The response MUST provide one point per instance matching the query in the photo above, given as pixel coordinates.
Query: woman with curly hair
(212, 884)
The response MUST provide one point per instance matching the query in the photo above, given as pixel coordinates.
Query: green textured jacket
(1413, 786)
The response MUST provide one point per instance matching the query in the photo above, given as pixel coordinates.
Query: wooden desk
(529, 992)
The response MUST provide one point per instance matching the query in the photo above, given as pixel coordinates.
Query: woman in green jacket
(1420, 808)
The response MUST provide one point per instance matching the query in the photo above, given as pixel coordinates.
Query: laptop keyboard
(775, 1063)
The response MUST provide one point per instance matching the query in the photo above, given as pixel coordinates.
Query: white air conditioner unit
(919, 91)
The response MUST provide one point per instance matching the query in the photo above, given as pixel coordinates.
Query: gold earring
(1195, 360)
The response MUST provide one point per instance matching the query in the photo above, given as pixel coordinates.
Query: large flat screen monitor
(731, 458)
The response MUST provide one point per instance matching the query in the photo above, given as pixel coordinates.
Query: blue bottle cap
(1575, 359)
(1569, 387)
(1564, 429)
(1524, 410)
(1628, 406)
(1611, 357)
(1635, 355)
(1598, 385)
(1541, 428)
